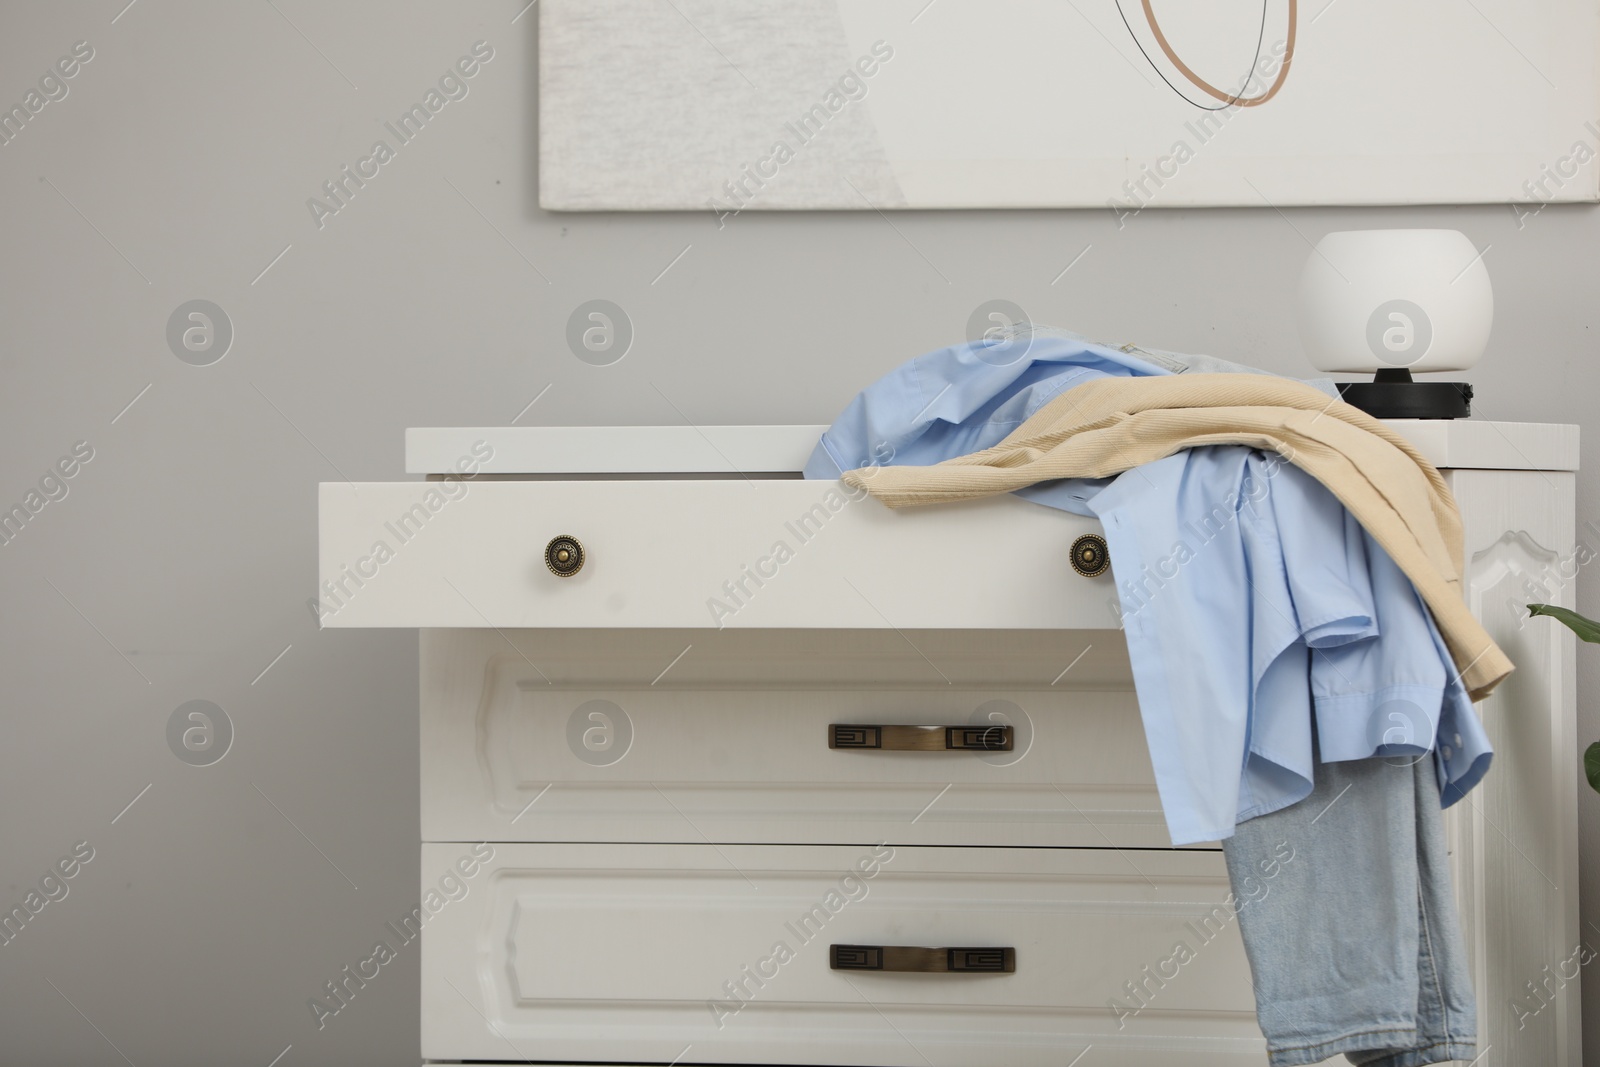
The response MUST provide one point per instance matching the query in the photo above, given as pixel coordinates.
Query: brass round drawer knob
(564, 556)
(1089, 555)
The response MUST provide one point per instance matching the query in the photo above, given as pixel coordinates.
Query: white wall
(178, 565)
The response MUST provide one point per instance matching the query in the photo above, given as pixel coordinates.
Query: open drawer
(687, 552)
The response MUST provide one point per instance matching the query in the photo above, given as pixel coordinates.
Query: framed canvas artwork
(734, 105)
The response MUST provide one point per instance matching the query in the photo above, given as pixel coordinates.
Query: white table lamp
(1392, 302)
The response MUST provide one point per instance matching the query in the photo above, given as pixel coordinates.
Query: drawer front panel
(695, 553)
(639, 736)
(697, 953)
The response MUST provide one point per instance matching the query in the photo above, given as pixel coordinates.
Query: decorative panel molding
(1515, 837)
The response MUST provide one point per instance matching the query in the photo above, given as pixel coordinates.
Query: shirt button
(1458, 740)
(1447, 753)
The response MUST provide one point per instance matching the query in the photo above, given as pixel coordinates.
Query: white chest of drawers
(652, 832)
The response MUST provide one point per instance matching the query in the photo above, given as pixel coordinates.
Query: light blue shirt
(1256, 609)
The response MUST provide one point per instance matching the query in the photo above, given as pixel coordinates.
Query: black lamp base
(1393, 395)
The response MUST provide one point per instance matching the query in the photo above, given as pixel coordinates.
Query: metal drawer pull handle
(925, 960)
(1090, 557)
(982, 738)
(564, 556)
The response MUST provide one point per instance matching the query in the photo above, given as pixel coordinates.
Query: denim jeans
(1357, 947)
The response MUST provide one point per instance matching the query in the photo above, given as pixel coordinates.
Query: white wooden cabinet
(634, 763)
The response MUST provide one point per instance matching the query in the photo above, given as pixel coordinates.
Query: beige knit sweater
(1109, 425)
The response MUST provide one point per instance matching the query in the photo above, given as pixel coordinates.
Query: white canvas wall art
(734, 105)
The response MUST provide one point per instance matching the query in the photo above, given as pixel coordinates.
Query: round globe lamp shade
(1386, 300)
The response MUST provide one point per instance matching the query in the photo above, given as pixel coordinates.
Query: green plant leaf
(1587, 629)
(1591, 765)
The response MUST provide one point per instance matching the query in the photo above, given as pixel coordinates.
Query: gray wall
(178, 565)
